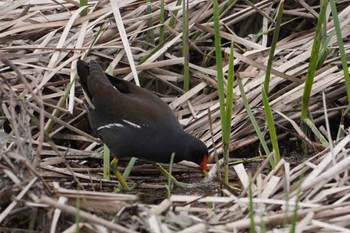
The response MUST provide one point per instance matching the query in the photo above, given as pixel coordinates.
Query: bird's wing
(121, 102)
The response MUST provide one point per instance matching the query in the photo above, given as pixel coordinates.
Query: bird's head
(197, 152)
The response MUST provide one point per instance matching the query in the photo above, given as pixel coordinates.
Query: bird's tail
(92, 78)
(83, 70)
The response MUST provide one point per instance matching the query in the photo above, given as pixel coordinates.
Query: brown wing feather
(138, 106)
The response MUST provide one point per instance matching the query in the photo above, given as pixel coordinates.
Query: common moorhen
(133, 122)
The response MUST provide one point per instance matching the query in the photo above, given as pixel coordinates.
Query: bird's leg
(169, 176)
(118, 174)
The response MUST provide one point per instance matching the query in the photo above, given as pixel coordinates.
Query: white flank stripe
(110, 125)
(132, 124)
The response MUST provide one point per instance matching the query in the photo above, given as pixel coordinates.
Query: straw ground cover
(51, 163)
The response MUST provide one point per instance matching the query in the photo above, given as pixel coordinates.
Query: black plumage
(133, 122)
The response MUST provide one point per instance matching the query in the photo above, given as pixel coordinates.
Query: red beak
(204, 166)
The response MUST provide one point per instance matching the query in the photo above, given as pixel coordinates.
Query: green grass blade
(84, 3)
(170, 185)
(228, 110)
(229, 92)
(174, 15)
(154, 50)
(273, 46)
(341, 47)
(162, 19)
(227, 6)
(313, 61)
(316, 132)
(252, 118)
(252, 225)
(295, 212)
(50, 123)
(272, 129)
(106, 162)
(185, 46)
(150, 38)
(219, 66)
(128, 168)
(220, 76)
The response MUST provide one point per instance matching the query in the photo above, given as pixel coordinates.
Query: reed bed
(51, 163)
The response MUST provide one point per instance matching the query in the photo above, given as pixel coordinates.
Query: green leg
(118, 175)
(168, 176)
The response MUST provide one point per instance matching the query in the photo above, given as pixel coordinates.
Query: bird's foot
(119, 176)
(122, 181)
